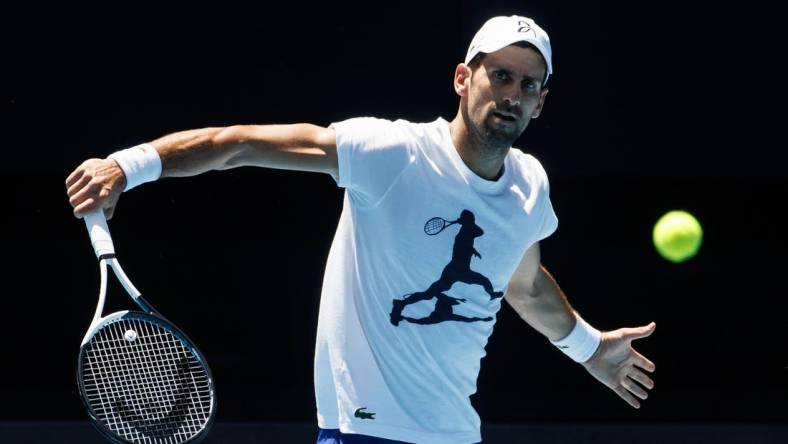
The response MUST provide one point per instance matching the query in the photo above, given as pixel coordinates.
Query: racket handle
(99, 233)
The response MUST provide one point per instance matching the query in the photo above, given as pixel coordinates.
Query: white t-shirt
(404, 315)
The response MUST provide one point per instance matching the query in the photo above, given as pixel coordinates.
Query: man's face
(504, 93)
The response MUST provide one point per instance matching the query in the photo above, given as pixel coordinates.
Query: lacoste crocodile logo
(364, 415)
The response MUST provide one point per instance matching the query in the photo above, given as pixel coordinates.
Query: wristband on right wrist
(581, 343)
(140, 164)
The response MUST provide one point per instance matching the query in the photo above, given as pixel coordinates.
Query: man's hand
(617, 365)
(97, 183)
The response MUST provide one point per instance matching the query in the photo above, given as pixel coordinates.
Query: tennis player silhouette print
(458, 270)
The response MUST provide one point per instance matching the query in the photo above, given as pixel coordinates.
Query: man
(378, 379)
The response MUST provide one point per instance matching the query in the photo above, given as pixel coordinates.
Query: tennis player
(387, 368)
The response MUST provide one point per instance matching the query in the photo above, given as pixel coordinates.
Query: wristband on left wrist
(581, 343)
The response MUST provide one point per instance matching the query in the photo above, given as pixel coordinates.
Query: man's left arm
(536, 297)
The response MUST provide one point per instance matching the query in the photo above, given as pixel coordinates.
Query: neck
(480, 157)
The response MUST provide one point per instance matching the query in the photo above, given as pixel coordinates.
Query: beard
(496, 133)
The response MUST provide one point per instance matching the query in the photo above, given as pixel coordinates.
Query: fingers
(628, 390)
(626, 396)
(642, 378)
(91, 185)
(76, 184)
(77, 187)
(643, 362)
(640, 332)
(85, 207)
(74, 176)
(634, 377)
(634, 388)
(83, 199)
(90, 198)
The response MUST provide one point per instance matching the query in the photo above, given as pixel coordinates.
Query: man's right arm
(98, 183)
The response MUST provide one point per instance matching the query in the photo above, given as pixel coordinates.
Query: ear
(538, 110)
(462, 76)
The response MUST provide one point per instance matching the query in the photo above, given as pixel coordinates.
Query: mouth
(505, 116)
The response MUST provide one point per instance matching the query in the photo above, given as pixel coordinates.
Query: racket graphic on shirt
(436, 225)
(140, 378)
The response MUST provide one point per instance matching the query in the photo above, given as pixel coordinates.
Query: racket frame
(109, 260)
(446, 223)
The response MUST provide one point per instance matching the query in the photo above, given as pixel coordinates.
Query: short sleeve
(548, 220)
(545, 222)
(371, 154)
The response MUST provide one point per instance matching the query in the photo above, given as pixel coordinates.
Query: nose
(512, 97)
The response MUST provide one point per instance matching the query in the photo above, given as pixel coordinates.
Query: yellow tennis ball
(677, 236)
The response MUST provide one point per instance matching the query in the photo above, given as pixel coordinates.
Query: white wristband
(140, 164)
(582, 341)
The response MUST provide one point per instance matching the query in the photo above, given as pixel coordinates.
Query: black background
(653, 106)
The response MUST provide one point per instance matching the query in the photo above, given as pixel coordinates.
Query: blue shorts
(334, 436)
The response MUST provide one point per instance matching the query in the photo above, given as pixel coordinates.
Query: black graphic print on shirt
(458, 270)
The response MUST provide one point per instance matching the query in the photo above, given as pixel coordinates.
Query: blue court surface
(294, 433)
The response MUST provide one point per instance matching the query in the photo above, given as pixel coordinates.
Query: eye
(529, 85)
(501, 75)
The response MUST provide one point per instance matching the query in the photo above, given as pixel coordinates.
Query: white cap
(499, 32)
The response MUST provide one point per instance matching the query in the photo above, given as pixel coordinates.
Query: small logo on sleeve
(364, 415)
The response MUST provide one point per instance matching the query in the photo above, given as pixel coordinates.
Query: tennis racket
(436, 225)
(140, 378)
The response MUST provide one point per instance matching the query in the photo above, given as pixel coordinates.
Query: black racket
(140, 378)
(436, 225)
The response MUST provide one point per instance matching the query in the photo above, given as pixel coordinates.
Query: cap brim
(496, 47)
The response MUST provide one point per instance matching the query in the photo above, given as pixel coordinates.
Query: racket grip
(99, 233)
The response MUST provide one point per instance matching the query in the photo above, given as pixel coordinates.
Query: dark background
(653, 106)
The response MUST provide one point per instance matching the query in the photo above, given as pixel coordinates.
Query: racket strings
(153, 378)
(434, 225)
(146, 386)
